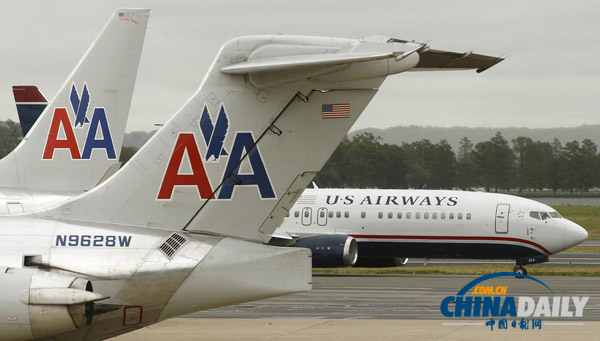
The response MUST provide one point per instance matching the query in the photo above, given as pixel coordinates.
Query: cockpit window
(544, 215)
(555, 214)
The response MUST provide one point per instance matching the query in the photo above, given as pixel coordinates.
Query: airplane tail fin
(30, 105)
(78, 136)
(234, 159)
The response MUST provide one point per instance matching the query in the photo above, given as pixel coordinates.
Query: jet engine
(331, 251)
(36, 303)
(380, 262)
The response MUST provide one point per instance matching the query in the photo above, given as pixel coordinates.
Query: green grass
(586, 216)
(543, 270)
(582, 249)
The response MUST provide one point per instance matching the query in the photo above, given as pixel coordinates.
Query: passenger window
(296, 214)
(468, 216)
(346, 214)
(408, 215)
(330, 214)
(545, 215)
(535, 215)
(443, 215)
(338, 214)
(322, 214)
(451, 216)
(434, 216)
(460, 216)
(306, 214)
(418, 215)
(425, 215)
(399, 215)
(390, 215)
(380, 215)
(363, 215)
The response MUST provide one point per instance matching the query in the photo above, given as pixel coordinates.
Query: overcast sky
(551, 79)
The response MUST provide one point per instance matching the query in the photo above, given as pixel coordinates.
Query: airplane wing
(438, 60)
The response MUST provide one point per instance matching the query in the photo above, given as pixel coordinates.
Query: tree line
(363, 161)
(496, 164)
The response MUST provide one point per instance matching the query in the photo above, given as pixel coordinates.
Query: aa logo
(98, 132)
(214, 135)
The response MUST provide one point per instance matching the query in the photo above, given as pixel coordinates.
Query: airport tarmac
(391, 297)
(387, 307)
(378, 307)
(185, 329)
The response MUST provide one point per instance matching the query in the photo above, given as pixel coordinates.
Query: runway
(183, 329)
(396, 297)
(377, 307)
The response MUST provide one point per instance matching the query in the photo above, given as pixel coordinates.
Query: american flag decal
(124, 15)
(333, 111)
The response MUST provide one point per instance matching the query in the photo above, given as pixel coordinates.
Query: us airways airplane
(76, 141)
(379, 227)
(30, 105)
(182, 226)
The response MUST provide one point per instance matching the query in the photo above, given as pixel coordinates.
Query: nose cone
(574, 234)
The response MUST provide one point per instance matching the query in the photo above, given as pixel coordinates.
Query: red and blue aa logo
(98, 131)
(214, 134)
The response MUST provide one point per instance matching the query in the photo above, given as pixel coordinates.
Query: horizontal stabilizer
(303, 61)
(438, 60)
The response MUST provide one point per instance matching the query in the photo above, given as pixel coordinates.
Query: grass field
(586, 216)
(533, 270)
(583, 249)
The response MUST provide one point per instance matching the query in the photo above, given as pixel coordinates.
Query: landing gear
(519, 270)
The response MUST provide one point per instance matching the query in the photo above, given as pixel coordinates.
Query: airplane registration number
(87, 240)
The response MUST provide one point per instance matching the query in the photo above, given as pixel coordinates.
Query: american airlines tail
(78, 137)
(234, 159)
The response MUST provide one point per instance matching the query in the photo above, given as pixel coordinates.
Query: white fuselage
(145, 276)
(433, 223)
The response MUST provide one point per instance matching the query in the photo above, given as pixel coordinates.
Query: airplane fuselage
(431, 223)
(146, 275)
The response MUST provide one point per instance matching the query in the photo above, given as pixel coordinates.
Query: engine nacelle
(331, 251)
(380, 262)
(35, 303)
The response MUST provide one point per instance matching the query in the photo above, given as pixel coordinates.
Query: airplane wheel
(519, 270)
